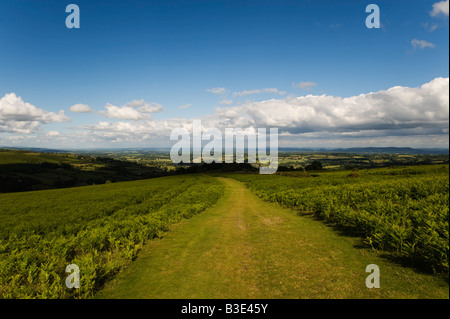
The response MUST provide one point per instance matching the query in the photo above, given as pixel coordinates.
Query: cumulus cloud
(53, 134)
(304, 85)
(145, 107)
(80, 108)
(421, 44)
(124, 112)
(17, 116)
(134, 110)
(136, 132)
(18, 127)
(260, 91)
(416, 116)
(185, 106)
(440, 8)
(393, 109)
(218, 90)
(226, 102)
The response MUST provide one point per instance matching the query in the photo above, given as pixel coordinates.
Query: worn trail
(247, 248)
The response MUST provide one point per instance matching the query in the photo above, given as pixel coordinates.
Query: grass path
(247, 248)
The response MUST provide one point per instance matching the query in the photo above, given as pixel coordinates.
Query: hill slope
(99, 228)
(27, 171)
(246, 248)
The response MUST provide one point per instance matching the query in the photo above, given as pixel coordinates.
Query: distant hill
(371, 150)
(26, 170)
(34, 149)
(362, 150)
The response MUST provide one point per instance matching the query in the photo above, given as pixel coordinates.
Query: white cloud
(185, 106)
(218, 90)
(24, 127)
(80, 108)
(226, 102)
(304, 85)
(260, 91)
(145, 107)
(430, 27)
(440, 8)
(18, 116)
(134, 110)
(143, 133)
(124, 112)
(421, 44)
(53, 134)
(399, 115)
(395, 108)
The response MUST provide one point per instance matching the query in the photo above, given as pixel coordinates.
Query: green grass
(403, 211)
(23, 157)
(240, 246)
(22, 171)
(247, 248)
(99, 228)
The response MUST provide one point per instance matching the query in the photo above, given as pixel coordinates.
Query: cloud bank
(17, 116)
(398, 116)
(397, 112)
(395, 108)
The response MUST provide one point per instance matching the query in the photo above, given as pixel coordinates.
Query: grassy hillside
(404, 211)
(245, 247)
(26, 171)
(100, 228)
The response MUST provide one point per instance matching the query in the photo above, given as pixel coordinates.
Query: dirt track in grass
(244, 248)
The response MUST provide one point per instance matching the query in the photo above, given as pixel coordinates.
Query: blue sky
(170, 53)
